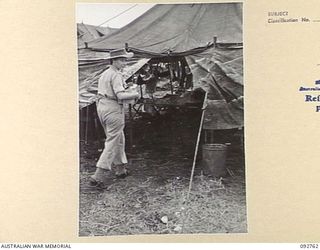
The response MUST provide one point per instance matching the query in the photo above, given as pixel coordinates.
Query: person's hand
(133, 88)
(129, 84)
(137, 95)
(134, 92)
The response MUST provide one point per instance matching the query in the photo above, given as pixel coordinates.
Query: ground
(153, 199)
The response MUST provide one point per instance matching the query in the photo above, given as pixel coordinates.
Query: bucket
(214, 159)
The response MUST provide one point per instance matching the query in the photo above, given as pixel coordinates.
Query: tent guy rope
(110, 19)
(118, 15)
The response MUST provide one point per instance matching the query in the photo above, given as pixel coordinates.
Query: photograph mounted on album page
(167, 87)
(161, 121)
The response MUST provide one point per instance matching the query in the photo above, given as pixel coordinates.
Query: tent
(177, 28)
(208, 35)
(87, 33)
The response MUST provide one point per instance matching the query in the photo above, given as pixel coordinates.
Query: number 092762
(310, 246)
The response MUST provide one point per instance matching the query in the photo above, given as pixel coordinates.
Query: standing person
(111, 94)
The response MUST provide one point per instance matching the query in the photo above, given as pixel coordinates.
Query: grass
(137, 204)
(152, 200)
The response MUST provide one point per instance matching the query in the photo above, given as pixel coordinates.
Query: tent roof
(88, 33)
(177, 28)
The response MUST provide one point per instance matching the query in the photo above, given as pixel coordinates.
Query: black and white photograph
(161, 119)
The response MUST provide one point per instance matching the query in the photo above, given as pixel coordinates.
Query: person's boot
(121, 171)
(99, 178)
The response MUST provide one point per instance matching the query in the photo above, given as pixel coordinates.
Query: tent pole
(130, 128)
(215, 41)
(171, 87)
(212, 135)
(206, 136)
(130, 111)
(141, 93)
(197, 145)
(96, 127)
(87, 121)
(195, 153)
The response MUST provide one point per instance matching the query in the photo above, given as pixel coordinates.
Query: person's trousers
(111, 116)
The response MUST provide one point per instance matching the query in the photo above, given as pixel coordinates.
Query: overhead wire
(118, 14)
(110, 19)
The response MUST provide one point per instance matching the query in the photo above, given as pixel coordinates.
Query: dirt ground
(152, 200)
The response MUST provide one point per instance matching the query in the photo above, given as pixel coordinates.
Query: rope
(109, 19)
(118, 15)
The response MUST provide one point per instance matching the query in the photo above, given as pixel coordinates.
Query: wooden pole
(141, 92)
(87, 121)
(96, 127)
(130, 128)
(215, 41)
(197, 145)
(195, 153)
(171, 87)
(211, 136)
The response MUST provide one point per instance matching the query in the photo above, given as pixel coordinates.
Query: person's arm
(119, 90)
(124, 95)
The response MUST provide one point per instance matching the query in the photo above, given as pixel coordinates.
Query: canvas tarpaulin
(86, 33)
(219, 71)
(177, 28)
